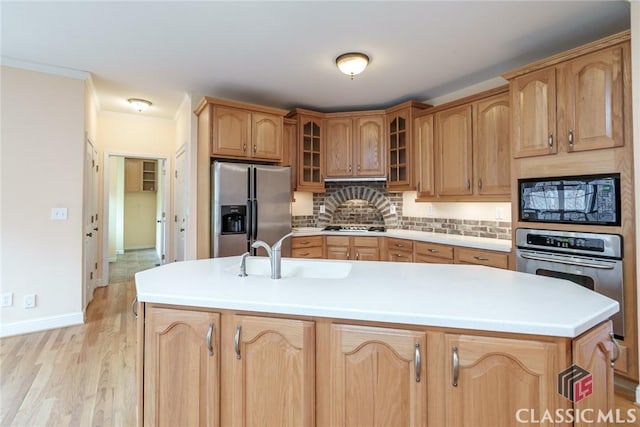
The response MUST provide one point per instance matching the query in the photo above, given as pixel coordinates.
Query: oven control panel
(581, 243)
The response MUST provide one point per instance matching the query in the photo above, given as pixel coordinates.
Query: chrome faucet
(275, 255)
(243, 265)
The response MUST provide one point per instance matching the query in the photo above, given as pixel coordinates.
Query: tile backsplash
(370, 209)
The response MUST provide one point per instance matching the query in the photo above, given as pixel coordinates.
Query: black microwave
(586, 199)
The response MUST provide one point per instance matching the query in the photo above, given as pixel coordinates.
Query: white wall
(481, 211)
(116, 208)
(42, 140)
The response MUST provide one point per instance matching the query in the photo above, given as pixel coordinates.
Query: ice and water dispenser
(234, 219)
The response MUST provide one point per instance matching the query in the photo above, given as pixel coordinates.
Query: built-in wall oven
(591, 260)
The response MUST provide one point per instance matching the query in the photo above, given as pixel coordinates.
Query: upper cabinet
(400, 147)
(464, 149)
(355, 146)
(290, 150)
(139, 175)
(573, 105)
(309, 150)
(241, 131)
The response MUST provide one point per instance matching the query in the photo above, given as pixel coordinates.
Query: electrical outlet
(30, 301)
(392, 209)
(7, 299)
(429, 209)
(498, 213)
(59, 214)
(323, 209)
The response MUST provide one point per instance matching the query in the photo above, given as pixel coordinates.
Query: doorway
(136, 207)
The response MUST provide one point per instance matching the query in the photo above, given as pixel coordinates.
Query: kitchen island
(363, 343)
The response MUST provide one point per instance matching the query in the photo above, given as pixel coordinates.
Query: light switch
(323, 209)
(392, 209)
(58, 214)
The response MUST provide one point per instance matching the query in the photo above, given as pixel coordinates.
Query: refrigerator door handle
(254, 219)
(249, 220)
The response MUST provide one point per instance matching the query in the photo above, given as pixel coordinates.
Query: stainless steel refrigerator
(249, 202)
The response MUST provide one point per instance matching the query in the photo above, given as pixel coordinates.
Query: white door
(180, 206)
(91, 229)
(161, 216)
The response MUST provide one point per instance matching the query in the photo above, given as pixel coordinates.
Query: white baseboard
(135, 248)
(41, 324)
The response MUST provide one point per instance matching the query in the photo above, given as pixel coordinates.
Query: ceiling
(282, 54)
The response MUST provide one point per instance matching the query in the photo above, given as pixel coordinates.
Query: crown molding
(44, 68)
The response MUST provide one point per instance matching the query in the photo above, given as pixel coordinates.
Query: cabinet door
(399, 151)
(424, 134)
(231, 130)
(339, 147)
(491, 146)
(269, 367)
(289, 152)
(487, 380)
(132, 175)
(453, 145)
(366, 254)
(377, 377)
(594, 101)
(181, 368)
(338, 252)
(593, 352)
(533, 109)
(310, 161)
(370, 146)
(266, 136)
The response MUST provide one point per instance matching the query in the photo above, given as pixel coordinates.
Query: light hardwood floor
(85, 375)
(76, 376)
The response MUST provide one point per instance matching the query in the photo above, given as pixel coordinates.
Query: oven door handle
(562, 261)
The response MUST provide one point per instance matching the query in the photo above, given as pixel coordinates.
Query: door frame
(181, 151)
(89, 208)
(105, 201)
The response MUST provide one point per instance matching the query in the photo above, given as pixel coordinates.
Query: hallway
(131, 262)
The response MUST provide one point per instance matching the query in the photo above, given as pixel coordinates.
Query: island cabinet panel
(488, 380)
(594, 352)
(269, 372)
(377, 377)
(181, 367)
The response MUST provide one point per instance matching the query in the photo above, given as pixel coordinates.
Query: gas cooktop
(362, 228)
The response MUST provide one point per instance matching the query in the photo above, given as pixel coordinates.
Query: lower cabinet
(181, 368)
(377, 377)
(268, 367)
(202, 368)
(307, 247)
(356, 248)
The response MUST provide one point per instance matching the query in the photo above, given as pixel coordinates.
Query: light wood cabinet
(358, 248)
(181, 367)
(481, 257)
(433, 253)
(355, 146)
(453, 138)
(424, 137)
(289, 150)
(266, 136)
(398, 250)
(487, 380)
(576, 105)
(377, 376)
(268, 372)
(307, 247)
(594, 352)
(310, 151)
(139, 175)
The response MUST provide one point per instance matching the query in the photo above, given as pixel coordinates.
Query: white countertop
(454, 296)
(424, 236)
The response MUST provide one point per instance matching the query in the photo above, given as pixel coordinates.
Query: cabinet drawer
(314, 252)
(431, 259)
(306, 242)
(433, 250)
(365, 242)
(399, 255)
(479, 256)
(337, 240)
(399, 244)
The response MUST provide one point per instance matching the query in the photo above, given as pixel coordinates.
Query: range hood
(357, 179)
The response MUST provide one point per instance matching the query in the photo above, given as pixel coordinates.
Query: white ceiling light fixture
(352, 63)
(139, 104)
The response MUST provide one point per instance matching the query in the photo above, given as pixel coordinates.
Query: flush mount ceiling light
(352, 63)
(139, 104)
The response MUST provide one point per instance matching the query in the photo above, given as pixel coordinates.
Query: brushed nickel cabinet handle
(358, 168)
(434, 251)
(618, 350)
(357, 256)
(481, 258)
(468, 184)
(305, 254)
(480, 183)
(244, 148)
(571, 138)
(400, 255)
(255, 148)
(456, 365)
(236, 341)
(418, 363)
(209, 334)
(550, 140)
(399, 245)
(349, 168)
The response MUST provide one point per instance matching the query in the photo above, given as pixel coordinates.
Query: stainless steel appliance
(589, 259)
(249, 202)
(588, 199)
(351, 228)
